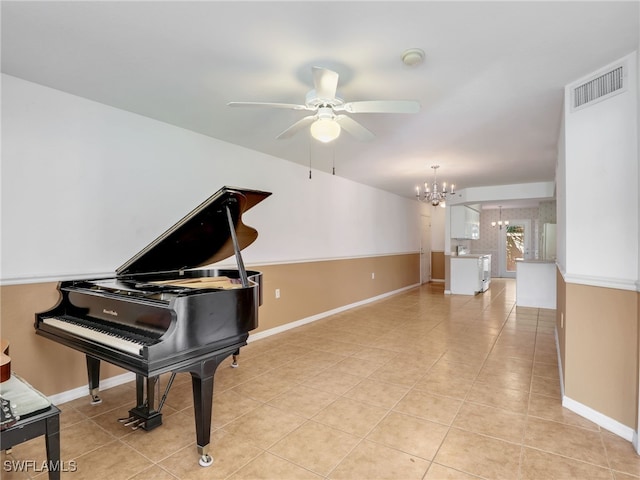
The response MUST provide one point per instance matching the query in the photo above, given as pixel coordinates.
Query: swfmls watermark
(35, 466)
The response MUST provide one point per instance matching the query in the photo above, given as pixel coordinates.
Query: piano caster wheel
(234, 362)
(205, 460)
(95, 400)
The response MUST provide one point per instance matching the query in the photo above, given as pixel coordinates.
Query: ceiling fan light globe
(325, 130)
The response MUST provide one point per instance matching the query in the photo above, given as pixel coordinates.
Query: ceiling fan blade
(325, 83)
(296, 127)
(291, 106)
(381, 106)
(354, 128)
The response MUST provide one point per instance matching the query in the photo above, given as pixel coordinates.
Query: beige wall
(48, 366)
(437, 266)
(561, 308)
(599, 349)
(306, 289)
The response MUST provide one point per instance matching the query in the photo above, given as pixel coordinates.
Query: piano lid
(200, 238)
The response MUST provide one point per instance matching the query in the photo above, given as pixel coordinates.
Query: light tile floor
(420, 385)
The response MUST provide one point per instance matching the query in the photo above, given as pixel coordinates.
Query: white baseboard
(589, 413)
(559, 362)
(83, 391)
(599, 419)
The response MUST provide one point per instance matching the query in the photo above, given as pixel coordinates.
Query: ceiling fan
(328, 119)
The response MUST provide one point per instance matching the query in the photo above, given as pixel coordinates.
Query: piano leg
(93, 372)
(203, 406)
(234, 362)
(202, 376)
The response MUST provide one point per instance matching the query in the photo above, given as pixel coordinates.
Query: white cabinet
(465, 222)
(470, 274)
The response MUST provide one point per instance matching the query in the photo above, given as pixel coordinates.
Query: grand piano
(161, 313)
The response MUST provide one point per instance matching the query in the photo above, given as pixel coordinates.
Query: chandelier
(433, 194)
(500, 222)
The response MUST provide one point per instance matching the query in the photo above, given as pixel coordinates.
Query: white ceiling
(490, 88)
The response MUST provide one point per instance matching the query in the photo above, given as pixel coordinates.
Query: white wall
(86, 186)
(496, 193)
(561, 201)
(437, 215)
(601, 187)
(636, 441)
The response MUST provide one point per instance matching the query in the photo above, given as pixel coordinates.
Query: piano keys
(105, 336)
(165, 312)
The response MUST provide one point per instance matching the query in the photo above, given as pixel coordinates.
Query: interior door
(425, 249)
(515, 241)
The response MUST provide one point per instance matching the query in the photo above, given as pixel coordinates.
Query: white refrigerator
(549, 241)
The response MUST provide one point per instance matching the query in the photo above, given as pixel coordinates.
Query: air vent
(599, 88)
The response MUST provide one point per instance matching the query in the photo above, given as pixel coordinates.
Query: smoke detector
(412, 57)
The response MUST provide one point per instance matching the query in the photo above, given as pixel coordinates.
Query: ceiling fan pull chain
(333, 152)
(310, 148)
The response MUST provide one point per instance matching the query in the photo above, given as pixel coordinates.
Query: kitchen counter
(536, 283)
(470, 273)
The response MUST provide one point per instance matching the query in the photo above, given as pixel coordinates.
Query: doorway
(425, 249)
(515, 244)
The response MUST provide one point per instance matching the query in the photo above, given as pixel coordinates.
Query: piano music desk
(38, 417)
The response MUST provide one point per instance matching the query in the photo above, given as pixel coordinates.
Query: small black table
(38, 417)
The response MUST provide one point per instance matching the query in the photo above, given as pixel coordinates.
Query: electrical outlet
(561, 319)
(373, 275)
(277, 293)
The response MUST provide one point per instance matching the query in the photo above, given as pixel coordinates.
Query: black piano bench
(36, 416)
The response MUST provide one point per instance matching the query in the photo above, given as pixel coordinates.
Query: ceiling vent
(599, 87)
